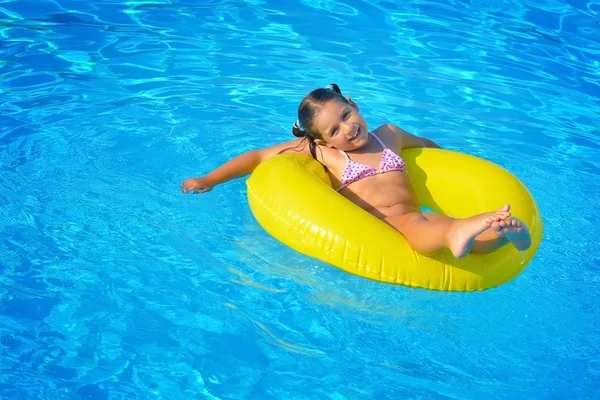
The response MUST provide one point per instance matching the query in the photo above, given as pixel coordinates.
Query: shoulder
(392, 130)
(397, 138)
(390, 134)
(299, 145)
(325, 155)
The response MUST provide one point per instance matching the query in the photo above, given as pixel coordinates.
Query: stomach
(384, 195)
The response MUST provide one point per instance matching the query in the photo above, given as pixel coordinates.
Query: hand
(196, 185)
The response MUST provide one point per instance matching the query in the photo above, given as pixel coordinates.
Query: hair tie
(334, 87)
(302, 132)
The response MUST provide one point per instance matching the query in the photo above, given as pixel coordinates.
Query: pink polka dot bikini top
(355, 171)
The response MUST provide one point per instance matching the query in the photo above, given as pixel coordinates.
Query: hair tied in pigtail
(297, 129)
(334, 87)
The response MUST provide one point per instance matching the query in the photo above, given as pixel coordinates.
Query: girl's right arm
(240, 166)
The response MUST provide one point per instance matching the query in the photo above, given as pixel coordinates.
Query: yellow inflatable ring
(292, 198)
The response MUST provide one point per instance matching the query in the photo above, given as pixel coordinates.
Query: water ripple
(113, 284)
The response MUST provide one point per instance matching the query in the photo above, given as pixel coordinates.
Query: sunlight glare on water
(116, 286)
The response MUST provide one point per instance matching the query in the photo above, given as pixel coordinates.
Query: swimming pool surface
(114, 285)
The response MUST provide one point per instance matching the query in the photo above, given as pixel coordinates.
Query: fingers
(187, 187)
(196, 185)
(202, 189)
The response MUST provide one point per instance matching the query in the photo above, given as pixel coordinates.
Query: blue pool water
(114, 285)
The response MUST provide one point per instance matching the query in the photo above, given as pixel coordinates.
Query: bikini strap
(344, 153)
(370, 133)
(379, 140)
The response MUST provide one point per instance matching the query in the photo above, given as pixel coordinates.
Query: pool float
(292, 199)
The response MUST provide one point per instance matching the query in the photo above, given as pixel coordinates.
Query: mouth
(356, 134)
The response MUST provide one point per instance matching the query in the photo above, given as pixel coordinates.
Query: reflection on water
(114, 285)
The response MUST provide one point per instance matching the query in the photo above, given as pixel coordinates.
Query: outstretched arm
(237, 167)
(408, 140)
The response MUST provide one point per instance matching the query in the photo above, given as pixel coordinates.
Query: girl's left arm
(408, 140)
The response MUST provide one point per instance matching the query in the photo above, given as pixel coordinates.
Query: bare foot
(460, 239)
(515, 231)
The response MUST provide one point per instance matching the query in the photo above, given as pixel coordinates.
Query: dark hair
(309, 108)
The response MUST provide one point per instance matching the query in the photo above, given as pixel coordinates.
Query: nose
(348, 129)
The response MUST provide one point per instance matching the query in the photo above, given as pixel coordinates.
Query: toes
(506, 208)
(515, 223)
(518, 223)
(503, 216)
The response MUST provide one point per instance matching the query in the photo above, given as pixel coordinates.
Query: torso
(355, 171)
(384, 194)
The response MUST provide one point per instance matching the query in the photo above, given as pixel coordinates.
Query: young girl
(364, 169)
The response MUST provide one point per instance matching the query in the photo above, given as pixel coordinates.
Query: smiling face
(341, 126)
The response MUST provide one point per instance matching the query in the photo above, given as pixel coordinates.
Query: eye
(346, 115)
(334, 131)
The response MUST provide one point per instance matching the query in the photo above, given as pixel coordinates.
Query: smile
(356, 134)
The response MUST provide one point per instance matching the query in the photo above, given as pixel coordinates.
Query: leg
(511, 230)
(423, 235)
(427, 236)
(485, 242)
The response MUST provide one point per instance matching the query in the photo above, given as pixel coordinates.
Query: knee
(404, 222)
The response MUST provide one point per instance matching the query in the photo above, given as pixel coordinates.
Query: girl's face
(341, 126)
